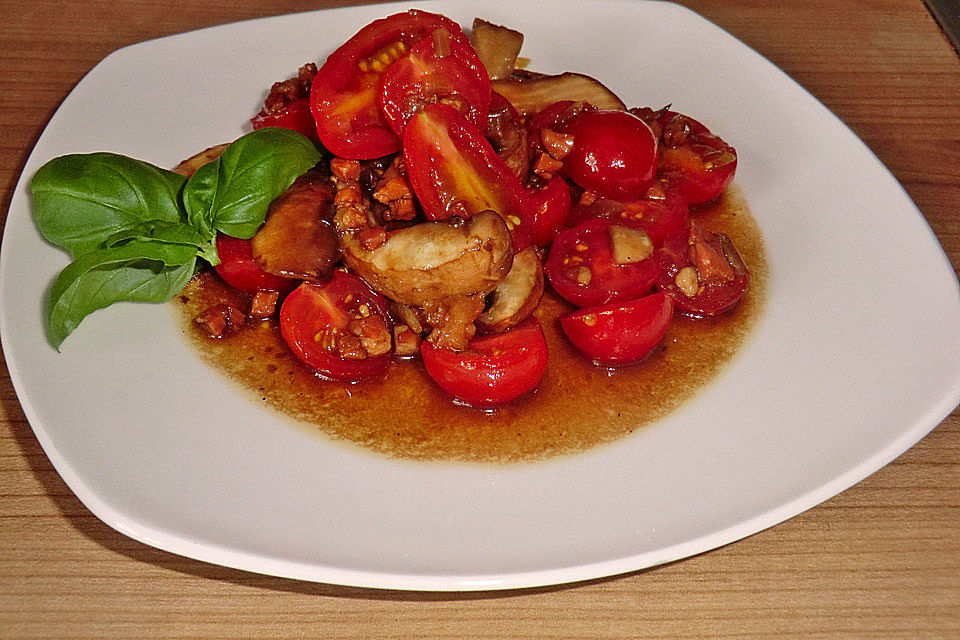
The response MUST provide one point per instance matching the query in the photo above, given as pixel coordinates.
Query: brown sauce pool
(577, 405)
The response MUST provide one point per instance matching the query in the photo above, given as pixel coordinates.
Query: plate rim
(258, 563)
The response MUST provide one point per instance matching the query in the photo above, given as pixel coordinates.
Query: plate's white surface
(856, 358)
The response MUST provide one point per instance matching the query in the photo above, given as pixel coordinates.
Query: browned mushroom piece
(434, 260)
(496, 46)
(517, 296)
(531, 93)
(509, 139)
(298, 239)
(189, 166)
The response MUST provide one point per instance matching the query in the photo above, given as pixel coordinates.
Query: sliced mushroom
(516, 297)
(298, 239)
(452, 320)
(189, 166)
(435, 260)
(496, 46)
(531, 93)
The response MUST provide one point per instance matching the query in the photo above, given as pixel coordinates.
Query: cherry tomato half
(344, 94)
(702, 272)
(614, 154)
(619, 332)
(437, 69)
(239, 270)
(549, 209)
(581, 267)
(296, 116)
(661, 211)
(493, 369)
(334, 326)
(697, 161)
(454, 170)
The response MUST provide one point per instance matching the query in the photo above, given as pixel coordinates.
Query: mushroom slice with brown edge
(496, 46)
(435, 260)
(298, 239)
(516, 297)
(531, 93)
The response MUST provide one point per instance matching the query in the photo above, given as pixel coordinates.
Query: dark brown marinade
(576, 406)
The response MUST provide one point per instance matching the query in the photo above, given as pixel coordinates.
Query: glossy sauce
(577, 405)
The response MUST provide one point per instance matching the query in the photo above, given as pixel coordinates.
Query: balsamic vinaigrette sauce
(577, 405)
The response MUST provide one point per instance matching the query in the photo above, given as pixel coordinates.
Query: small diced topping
(628, 245)
(686, 279)
(221, 319)
(263, 304)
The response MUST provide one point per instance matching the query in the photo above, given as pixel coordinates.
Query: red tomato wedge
(702, 272)
(296, 116)
(437, 69)
(661, 211)
(492, 370)
(614, 154)
(698, 162)
(581, 267)
(620, 332)
(239, 270)
(549, 209)
(454, 170)
(344, 94)
(339, 328)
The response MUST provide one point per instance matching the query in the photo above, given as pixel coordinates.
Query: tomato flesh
(580, 267)
(620, 332)
(492, 370)
(238, 268)
(454, 170)
(316, 319)
(702, 165)
(614, 154)
(437, 69)
(717, 275)
(344, 94)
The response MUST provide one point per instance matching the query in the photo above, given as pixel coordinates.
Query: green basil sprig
(135, 230)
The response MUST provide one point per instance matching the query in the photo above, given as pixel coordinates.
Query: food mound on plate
(452, 187)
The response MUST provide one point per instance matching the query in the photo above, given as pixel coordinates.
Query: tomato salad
(462, 184)
(432, 190)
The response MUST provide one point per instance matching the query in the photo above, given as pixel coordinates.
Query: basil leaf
(79, 200)
(232, 193)
(138, 271)
(160, 231)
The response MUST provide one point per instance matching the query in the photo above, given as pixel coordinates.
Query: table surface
(881, 560)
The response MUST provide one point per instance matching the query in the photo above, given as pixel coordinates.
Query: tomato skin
(549, 210)
(608, 282)
(715, 296)
(614, 154)
(619, 332)
(314, 307)
(238, 268)
(425, 76)
(344, 99)
(454, 170)
(296, 116)
(493, 369)
(702, 166)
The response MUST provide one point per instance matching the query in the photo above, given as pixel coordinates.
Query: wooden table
(881, 560)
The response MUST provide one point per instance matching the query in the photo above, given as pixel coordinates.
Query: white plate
(856, 357)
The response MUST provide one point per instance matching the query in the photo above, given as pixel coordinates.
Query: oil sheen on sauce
(576, 406)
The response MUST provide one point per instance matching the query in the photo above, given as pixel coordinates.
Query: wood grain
(881, 560)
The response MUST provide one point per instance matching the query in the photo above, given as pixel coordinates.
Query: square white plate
(855, 359)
